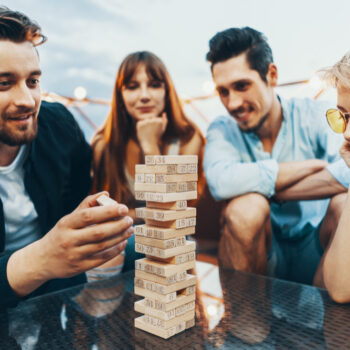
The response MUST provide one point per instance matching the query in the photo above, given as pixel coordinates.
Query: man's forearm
(315, 186)
(23, 274)
(290, 173)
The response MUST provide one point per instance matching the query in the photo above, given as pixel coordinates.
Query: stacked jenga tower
(166, 183)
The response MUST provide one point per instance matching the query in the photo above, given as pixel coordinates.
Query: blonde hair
(339, 73)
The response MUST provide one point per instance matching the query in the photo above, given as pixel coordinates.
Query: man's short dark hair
(17, 27)
(235, 41)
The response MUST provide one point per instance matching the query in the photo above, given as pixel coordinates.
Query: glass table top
(234, 310)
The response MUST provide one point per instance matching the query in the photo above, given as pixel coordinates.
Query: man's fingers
(91, 216)
(108, 254)
(103, 232)
(92, 249)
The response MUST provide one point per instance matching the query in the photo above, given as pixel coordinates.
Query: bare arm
(290, 173)
(337, 260)
(86, 238)
(316, 186)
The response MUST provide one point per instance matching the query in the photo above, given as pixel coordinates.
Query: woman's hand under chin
(149, 133)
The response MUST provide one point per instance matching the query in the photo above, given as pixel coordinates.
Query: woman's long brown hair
(111, 140)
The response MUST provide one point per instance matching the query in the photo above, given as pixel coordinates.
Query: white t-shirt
(21, 219)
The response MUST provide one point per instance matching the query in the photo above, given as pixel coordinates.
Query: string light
(80, 93)
(212, 310)
(208, 87)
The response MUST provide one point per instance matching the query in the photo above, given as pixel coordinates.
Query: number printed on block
(163, 178)
(152, 160)
(139, 178)
(177, 205)
(165, 253)
(162, 233)
(150, 178)
(162, 243)
(165, 197)
(169, 169)
(181, 300)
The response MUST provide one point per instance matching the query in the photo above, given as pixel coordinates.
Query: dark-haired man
(259, 156)
(44, 175)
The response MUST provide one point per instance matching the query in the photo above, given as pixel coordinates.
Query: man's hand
(84, 239)
(345, 153)
(149, 133)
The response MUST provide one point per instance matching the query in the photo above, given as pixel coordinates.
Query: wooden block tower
(169, 291)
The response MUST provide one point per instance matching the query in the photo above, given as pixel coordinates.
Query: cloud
(90, 74)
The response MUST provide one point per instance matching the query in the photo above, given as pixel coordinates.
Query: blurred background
(88, 39)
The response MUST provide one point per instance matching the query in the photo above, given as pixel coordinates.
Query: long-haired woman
(146, 118)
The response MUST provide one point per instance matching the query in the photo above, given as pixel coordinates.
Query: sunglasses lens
(38, 39)
(336, 120)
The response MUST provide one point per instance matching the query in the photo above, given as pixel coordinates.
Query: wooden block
(186, 186)
(162, 269)
(162, 324)
(163, 298)
(165, 197)
(190, 323)
(168, 169)
(140, 306)
(178, 205)
(152, 160)
(165, 215)
(167, 281)
(162, 233)
(178, 259)
(186, 169)
(163, 333)
(165, 187)
(153, 187)
(180, 300)
(189, 290)
(161, 243)
(105, 200)
(165, 253)
(164, 178)
(177, 224)
(150, 178)
(162, 289)
(139, 178)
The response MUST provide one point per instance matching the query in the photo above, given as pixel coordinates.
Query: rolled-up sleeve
(227, 170)
(340, 171)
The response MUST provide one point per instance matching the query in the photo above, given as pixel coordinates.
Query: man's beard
(258, 126)
(19, 136)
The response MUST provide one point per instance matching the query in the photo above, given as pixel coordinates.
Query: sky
(88, 39)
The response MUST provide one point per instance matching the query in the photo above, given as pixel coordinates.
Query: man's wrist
(25, 271)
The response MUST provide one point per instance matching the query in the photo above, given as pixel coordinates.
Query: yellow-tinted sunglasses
(337, 120)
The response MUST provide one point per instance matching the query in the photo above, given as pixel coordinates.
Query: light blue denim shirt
(235, 162)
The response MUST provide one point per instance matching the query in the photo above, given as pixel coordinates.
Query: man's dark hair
(234, 41)
(17, 27)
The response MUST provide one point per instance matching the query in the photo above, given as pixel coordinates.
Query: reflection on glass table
(234, 310)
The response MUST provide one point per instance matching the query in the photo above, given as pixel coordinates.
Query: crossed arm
(317, 185)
